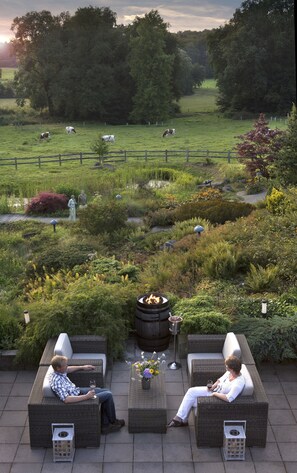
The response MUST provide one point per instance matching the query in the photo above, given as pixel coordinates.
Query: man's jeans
(108, 414)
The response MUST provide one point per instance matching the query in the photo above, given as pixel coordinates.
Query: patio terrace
(173, 452)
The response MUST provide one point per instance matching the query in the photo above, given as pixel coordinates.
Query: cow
(70, 129)
(45, 135)
(169, 132)
(108, 138)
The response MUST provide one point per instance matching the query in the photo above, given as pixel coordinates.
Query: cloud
(180, 14)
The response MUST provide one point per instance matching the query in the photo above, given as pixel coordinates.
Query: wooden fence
(121, 156)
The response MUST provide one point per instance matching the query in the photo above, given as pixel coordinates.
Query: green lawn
(7, 73)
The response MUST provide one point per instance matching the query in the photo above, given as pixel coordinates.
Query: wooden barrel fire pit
(151, 323)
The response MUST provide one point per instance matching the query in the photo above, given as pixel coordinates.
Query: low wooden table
(147, 409)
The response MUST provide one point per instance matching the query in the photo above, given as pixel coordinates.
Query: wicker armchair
(211, 412)
(43, 411)
(212, 344)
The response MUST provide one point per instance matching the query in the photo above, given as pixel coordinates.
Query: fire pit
(152, 326)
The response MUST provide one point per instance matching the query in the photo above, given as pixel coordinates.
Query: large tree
(253, 57)
(76, 66)
(37, 46)
(286, 160)
(153, 57)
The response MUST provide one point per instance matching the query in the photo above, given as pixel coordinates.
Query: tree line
(86, 66)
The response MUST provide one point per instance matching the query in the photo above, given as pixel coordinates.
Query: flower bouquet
(149, 367)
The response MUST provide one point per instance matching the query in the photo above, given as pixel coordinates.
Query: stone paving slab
(173, 452)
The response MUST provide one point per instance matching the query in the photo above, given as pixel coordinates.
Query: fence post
(16, 163)
(60, 161)
(229, 157)
(166, 156)
(145, 155)
(39, 162)
(125, 156)
(187, 155)
(80, 158)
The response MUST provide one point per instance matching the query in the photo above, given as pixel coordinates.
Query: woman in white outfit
(227, 388)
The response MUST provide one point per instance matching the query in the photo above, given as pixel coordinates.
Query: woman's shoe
(177, 423)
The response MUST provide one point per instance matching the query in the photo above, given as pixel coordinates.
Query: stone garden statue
(72, 208)
(82, 199)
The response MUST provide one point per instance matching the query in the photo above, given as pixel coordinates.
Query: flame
(153, 299)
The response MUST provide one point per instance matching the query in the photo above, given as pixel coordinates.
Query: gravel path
(252, 198)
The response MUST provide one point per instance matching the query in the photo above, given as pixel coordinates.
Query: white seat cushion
(91, 356)
(202, 356)
(46, 387)
(249, 385)
(63, 346)
(231, 346)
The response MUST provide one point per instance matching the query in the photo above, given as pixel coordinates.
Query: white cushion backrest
(90, 357)
(249, 385)
(46, 387)
(63, 346)
(231, 346)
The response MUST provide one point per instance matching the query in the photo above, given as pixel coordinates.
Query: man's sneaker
(110, 428)
(120, 422)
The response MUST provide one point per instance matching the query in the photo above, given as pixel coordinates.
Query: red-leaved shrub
(47, 202)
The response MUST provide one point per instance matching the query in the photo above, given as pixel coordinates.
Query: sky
(182, 15)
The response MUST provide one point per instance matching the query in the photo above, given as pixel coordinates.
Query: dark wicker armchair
(211, 413)
(43, 411)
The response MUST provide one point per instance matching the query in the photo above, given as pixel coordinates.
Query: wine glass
(93, 386)
(209, 384)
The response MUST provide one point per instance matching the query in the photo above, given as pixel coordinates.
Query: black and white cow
(169, 132)
(45, 135)
(70, 129)
(108, 138)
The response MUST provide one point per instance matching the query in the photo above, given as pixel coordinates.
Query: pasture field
(200, 127)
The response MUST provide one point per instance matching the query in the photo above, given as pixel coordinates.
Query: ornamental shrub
(10, 331)
(220, 261)
(272, 339)
(261, 279)
(162, 217)
(251, 307)
(47, 203)
(88, 307)
(200, 316)
(57, 257)
(103, 216)
(276, 201)
(216, 211)
(205, 322)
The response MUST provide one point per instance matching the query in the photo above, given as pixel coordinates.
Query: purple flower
(146, 373)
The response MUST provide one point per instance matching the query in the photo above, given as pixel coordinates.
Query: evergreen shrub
(87, 307)
(10, 331)
(220, 261)
(273, 339)
(200, 316)
(57, 257)
(261, 279)
(205, 322)
(103, 216)
(216, 211)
